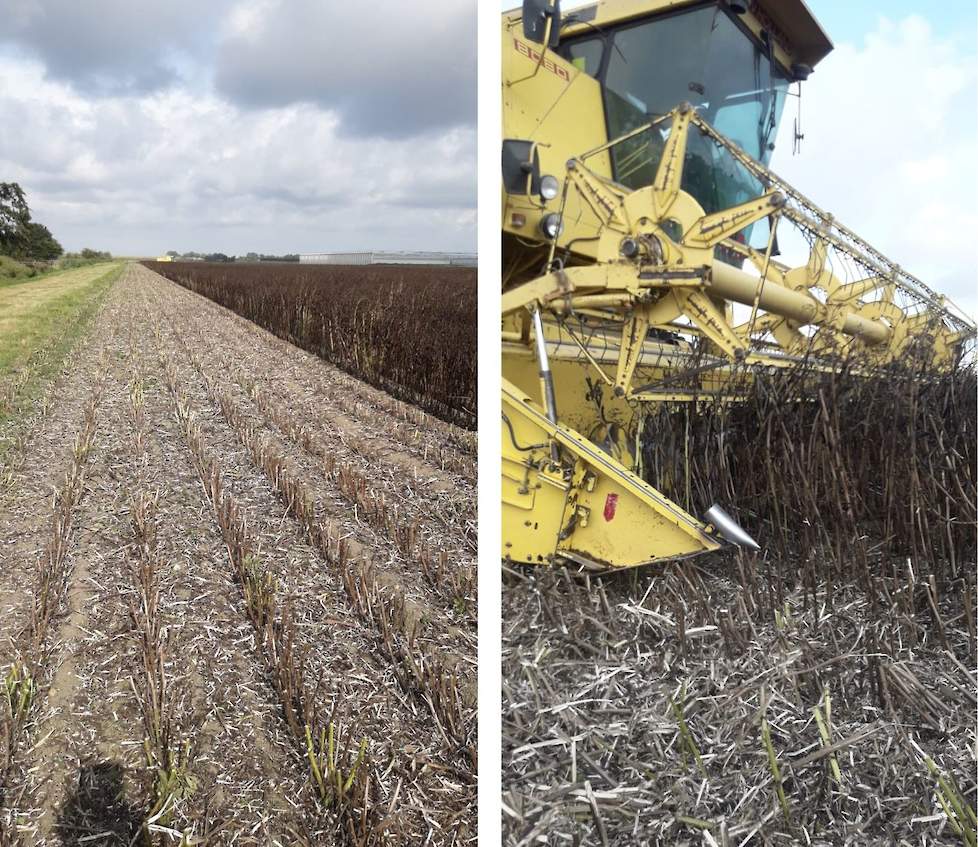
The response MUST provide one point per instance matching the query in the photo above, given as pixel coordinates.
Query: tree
(39, 243)
(14, 217)
(172, 253)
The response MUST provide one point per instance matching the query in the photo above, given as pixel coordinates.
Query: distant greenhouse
(390, 257)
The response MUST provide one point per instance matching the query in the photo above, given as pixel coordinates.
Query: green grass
(10, 281)
(41, 320)
(12, 271)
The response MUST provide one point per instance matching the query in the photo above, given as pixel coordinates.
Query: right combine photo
(738, 439)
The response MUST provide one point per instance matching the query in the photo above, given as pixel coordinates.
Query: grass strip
(32, 352)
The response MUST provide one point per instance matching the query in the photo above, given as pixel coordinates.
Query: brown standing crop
(843, 476)
(410, 330)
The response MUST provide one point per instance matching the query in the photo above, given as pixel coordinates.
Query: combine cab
(641, 233)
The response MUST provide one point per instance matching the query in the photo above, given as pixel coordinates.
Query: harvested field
(374, 322)
(820, 692)
(237, 596)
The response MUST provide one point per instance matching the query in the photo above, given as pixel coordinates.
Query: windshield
(700, 56)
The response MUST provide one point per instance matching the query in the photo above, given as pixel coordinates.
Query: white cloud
(106, 47)
(126, 136)
(889, 149)
(393, 71)
(183, 170)
(246, 19)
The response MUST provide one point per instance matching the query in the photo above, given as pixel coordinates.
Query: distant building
(164, 258)
(390, 257)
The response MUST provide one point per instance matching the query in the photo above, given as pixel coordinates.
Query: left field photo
(238, 505)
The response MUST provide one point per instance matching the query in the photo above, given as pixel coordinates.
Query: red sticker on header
(610, 505)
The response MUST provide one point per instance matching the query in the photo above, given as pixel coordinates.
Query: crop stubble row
(167, 589)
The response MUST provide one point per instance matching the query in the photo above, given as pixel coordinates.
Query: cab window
(585, 55)
(701, 56)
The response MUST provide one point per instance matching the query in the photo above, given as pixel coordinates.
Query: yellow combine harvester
(641, 231)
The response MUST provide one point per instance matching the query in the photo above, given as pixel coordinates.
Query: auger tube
(734, 284)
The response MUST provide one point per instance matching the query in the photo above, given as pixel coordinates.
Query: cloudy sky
(242, 125)
(890, 119)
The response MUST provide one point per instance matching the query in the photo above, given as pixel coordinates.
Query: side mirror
(521, 167)
(536, 15)
(801, 72)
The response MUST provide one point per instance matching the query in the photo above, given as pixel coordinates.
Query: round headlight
(552, 225)
(549, 187)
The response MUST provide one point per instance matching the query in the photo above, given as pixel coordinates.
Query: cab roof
(790, 21)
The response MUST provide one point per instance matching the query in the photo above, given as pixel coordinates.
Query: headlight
(549, 187)
(552, 226)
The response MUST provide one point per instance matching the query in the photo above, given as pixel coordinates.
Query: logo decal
(548, 63)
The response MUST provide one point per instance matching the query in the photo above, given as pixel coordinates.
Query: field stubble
(231, 648)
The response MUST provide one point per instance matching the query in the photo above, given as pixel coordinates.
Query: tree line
(24, 239)
(20, 236)
(223, 257)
